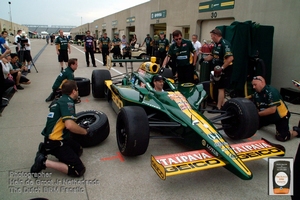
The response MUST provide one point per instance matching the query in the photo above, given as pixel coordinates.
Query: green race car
(177, 112)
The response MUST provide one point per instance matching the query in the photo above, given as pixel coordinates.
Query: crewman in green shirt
(62, 47)
(163, 47)
(66, 74)
(104, 47)
(182, 51)
(272, 109)
(61, 121)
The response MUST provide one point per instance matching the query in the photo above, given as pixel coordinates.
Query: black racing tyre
(97, 120)
(244, 121)
(132, 131)
(84, 86)
(167, 73)
(98, 85)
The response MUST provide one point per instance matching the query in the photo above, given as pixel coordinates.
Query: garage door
(209, 25)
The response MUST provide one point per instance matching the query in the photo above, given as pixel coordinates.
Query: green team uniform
(62, 110)
(269, 97)
(182, 53)
(182, 56)
(105, 42)
(62, 42)
(66, 74)
(220, 52)
(163, 44)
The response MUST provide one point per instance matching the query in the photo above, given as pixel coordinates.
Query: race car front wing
(192, 161)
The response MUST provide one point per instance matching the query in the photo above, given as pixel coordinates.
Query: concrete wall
(283, 15)
(12, 29)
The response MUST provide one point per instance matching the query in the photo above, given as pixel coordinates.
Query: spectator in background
(47, 38)
(104, 47)
(127, 51)
(26, 50)
(123, 41)
(17, 41)
(3, 43)
(52, 38)
(3, 84)
(197, 46)
(17, 69)
(133, 41)
(89, 48)
(148, 41)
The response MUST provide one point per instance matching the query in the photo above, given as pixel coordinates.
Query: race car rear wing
(192, 161)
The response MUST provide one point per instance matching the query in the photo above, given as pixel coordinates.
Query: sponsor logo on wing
(251, 147)
(212, 150)
(184, 158)
(195, 122)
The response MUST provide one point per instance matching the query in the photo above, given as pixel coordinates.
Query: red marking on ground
(118, 156)
(86, 100)
(249, 139)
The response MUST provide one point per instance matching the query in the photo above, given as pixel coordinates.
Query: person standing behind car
(197, 46)
(104, 47)
(89, 48)
(62, 47)
(163, 47)
(181, 51)
(133, 41)
(222, 57)
(127, 51)
(116, 42)
(148, 41)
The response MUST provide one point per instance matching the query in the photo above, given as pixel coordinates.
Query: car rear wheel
(98, 85)
(244, 120)
(132, 131)
(99, 122)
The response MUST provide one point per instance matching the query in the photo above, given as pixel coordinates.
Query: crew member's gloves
(91, 131)
(161, 70)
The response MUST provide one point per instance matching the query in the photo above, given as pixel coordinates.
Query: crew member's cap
(204, 41)
(116, 33)
(158, 78)
(162, 33)
(148, 34)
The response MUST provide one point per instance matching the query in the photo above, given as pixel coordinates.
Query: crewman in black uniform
(89, 48)
(104, 47)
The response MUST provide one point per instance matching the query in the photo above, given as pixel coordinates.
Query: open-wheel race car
(177, 112)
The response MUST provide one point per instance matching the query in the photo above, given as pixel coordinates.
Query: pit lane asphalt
(108, 176)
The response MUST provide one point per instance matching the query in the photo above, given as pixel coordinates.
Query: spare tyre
(84, 86)
(95, 119)
(98, 84)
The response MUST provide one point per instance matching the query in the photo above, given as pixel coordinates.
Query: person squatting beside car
(61, 121)
(66, 74)
(272, 109)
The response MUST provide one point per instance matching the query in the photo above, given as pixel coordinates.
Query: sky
(62, 12)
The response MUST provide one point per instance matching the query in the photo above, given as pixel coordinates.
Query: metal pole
(11, 27)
